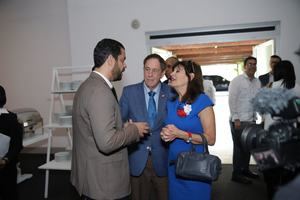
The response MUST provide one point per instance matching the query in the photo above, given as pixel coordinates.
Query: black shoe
(250, 174)
(241, 179)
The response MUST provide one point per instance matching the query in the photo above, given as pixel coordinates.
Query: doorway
(220, 51)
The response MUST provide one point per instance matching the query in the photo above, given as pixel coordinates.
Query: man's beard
(117, 73)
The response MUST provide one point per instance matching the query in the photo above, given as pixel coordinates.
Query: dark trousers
(149, 186)
(8, 183)
(83, 197)
(241, 157)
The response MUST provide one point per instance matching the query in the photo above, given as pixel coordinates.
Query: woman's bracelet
(189, 140)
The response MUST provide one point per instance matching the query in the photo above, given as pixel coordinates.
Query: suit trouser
(149, 186)
(241, 157)
(83, 197)
(8, 183)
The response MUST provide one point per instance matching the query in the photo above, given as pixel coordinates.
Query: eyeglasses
(154, 71)
(251, 64)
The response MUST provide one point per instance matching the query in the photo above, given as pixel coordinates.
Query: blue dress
(182, 189)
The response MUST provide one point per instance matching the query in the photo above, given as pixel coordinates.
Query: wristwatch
(189, 140)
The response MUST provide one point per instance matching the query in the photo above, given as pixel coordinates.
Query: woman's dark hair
(104, 48)
(195, 85)
(285, 70)
(2, 97)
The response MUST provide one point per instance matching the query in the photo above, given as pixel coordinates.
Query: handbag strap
(204, 142)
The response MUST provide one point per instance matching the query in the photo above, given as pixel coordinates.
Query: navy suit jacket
(264, 79)
(133, 106)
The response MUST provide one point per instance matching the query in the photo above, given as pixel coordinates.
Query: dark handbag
(198, 166)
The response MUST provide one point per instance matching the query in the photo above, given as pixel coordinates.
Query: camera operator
(284, 77)
(290, 191)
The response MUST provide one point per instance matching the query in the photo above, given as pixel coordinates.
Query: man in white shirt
(210, 90)
(241, 90)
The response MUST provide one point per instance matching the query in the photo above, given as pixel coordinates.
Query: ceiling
(214, 53)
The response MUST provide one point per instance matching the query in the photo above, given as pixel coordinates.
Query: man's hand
(2, 163)
(143, 127)
(237, 124)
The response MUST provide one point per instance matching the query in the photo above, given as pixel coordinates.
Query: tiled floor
(61, 189)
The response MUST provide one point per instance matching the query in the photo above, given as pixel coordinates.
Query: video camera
(279, 146)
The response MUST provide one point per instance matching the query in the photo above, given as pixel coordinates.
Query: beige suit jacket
(99, 156)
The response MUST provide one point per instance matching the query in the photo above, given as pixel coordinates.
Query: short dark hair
(159, 58)
(195, 85)
(2, 97)
(249, 58)
(104, 48)
(276, 56)
(285, 70)
(173, 58)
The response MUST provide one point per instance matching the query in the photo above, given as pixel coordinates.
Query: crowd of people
(123, 148)
(132, 141)
(242, 89)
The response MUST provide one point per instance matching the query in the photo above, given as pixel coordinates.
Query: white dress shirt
(209, 90)
(3, 111)
(105, 79)
(241, 91)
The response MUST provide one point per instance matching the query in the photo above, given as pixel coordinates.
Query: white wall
(92, 20)
(34, 37)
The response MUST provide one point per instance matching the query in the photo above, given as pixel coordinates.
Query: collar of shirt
(271, 77)
(156, 90)
(3, 111)
(247, 77)
(105, 79)
(277, 84)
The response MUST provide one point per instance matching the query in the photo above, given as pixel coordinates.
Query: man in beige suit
(100, 160)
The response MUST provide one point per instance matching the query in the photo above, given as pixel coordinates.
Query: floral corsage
(184, 110)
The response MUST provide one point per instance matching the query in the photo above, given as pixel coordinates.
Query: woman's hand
(166, 134)
(169, 133)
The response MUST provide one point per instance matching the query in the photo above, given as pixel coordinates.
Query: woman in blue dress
(190, 113)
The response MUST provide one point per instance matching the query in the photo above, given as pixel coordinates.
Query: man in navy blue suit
(268, 77)
(148, 158)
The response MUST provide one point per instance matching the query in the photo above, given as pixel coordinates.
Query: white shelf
(23, 177)
(63, 91)
(34, 138)
(55, 125)
(61, 97)
(63, 165)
